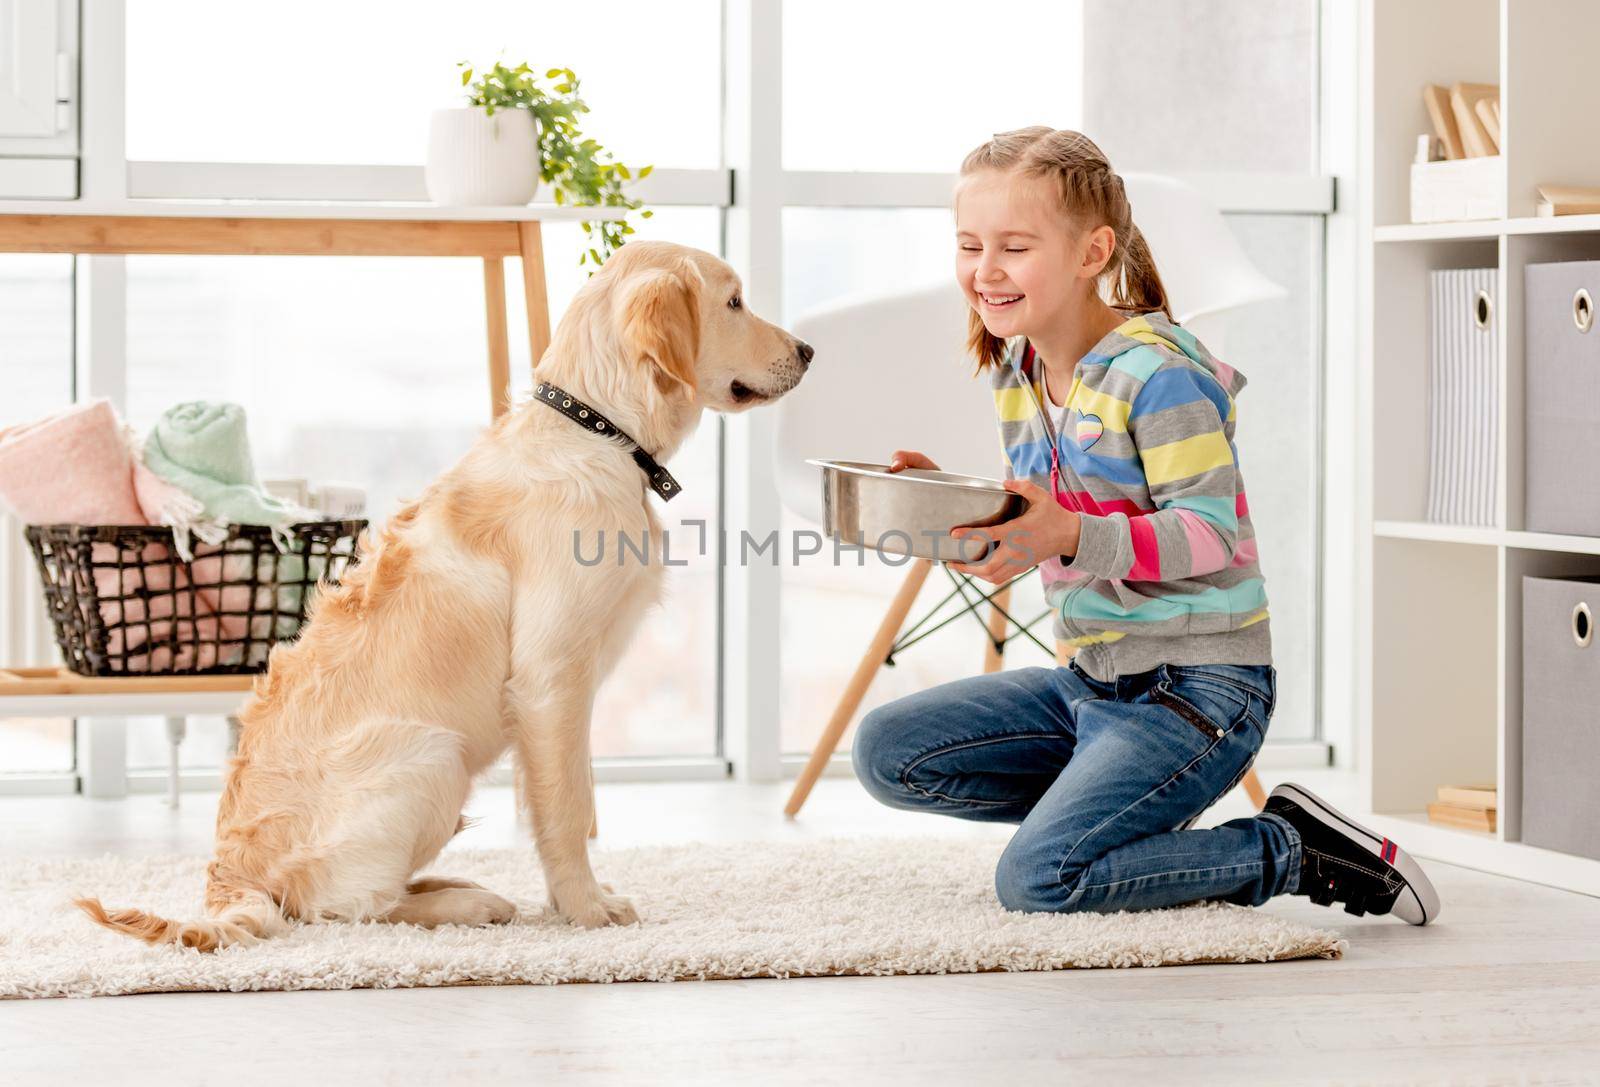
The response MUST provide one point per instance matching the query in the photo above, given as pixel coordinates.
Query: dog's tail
(253, 916)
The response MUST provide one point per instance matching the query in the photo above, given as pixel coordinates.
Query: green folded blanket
(203, 448)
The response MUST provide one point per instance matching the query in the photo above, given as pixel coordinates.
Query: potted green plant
(514, 133)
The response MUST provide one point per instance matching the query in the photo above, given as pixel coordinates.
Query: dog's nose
(805, 351)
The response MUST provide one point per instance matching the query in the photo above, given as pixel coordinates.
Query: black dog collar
(659, 478)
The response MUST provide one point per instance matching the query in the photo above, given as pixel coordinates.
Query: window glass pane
(354, 82)
(915, 87)
(1262, 116)
(365, 369)
(1277, 346)
(35, 379)
(205, 743)
(35, 745)
(661, 698)
(372, 371)
(833, 253)
(1236, 89)
(831, 609)
(35, 335)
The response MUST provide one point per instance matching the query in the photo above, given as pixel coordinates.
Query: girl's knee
(1033, 876)
(874, 758)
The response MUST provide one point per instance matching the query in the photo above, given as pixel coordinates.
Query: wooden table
(271, 228)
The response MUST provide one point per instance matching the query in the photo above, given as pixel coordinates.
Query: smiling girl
(1118, 429)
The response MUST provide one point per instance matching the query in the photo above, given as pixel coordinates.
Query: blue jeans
(1101, 777)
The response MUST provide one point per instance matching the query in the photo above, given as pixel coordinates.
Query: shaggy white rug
(754, 909)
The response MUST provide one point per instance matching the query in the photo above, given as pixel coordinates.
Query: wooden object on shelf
(1449, 815)
(1469, 796)
(1488, 111)
(1437, 99)
(1464, 98)
(1568, 200)
(40, 681)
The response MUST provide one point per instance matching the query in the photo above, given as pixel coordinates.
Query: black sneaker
(1342, 861)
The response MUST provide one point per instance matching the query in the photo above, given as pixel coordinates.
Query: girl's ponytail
(1138, 286)
(983, 345)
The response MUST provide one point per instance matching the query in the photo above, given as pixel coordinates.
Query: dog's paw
(599, 910)
(491, 909)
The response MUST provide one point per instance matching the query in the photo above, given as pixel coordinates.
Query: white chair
(891, 372)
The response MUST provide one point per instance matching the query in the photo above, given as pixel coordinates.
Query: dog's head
(680, 314)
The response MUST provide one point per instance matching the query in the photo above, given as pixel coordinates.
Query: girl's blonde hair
(1091, 193)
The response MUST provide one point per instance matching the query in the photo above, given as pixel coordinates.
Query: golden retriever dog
(471, 627)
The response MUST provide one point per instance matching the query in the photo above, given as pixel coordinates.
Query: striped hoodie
(1166, 569)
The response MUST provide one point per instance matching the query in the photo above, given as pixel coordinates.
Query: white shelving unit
(1440, 606)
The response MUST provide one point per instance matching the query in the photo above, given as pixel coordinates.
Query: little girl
(1117, 427)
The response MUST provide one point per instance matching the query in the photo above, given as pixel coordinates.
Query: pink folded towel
(77, 466)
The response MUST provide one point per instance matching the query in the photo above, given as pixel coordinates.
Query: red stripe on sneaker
(1388, 851)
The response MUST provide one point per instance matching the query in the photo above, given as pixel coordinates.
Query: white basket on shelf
(1457, 189)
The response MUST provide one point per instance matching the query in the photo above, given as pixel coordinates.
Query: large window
(372, 371)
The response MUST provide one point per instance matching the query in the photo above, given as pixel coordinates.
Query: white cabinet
(32, 82)
(38, 98)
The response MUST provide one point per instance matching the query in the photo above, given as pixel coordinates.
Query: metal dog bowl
(911, 512)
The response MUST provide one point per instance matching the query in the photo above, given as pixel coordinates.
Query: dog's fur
(470, 627)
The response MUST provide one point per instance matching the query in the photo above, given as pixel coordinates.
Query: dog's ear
(660, 322)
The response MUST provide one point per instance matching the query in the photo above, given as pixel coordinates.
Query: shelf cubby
(1415, 43)
(1400, 314)
(1518, 563)
(1435, 613)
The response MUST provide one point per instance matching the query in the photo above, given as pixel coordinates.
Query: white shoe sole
(1418, 903)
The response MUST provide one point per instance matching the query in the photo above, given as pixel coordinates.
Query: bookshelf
(1439, 607)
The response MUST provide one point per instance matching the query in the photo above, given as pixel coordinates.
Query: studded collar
(659, 478)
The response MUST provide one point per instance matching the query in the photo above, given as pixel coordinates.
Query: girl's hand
(1046, 528)
(909, 458)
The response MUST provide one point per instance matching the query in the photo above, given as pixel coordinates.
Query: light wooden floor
(1505, 987)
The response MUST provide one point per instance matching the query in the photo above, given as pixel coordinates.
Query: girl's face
(1022, 264)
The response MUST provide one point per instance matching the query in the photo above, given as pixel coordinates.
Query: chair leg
(1253, 789)
(856, 689)
(993, 656)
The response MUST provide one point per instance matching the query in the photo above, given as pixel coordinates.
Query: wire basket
(124, 603)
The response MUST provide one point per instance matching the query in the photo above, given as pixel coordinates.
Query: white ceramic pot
(478, 159)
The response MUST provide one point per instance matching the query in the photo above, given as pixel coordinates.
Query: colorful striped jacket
(1166, 569)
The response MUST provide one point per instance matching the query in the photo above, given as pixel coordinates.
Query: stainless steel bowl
(911, 512)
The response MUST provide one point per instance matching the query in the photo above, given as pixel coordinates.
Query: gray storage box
(1561, 361)
(1561, 714)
